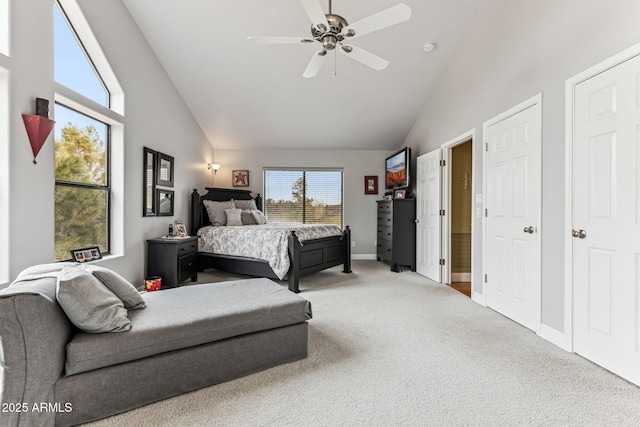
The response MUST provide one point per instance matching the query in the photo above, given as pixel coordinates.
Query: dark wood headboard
(199, 216)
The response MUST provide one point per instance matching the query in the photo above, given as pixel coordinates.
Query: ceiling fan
(333, 30)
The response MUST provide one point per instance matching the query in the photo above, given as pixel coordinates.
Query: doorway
(460, 202)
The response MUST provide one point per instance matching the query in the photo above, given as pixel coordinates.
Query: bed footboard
(318, 255)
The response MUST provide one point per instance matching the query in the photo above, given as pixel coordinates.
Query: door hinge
(441, 212)
(485, 278)
(486, 213)
(443, 163)
(486, 146)
(441, 261)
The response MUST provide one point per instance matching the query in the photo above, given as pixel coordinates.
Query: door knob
(417, 221)
(529, 229)
(581, 234)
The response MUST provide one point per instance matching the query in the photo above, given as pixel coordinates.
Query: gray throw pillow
(120, 286)
(258, 216)
(234, 217)
(215, 210)
(247, 218)
(89, 304)
(245, 204)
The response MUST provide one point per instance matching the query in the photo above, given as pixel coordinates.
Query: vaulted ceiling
(246, 95)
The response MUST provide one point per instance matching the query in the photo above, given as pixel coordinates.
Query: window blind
(310, 196)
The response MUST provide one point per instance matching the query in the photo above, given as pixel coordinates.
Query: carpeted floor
(389, 349)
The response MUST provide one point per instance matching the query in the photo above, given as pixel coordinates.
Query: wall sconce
(38, 126)
(213, 166)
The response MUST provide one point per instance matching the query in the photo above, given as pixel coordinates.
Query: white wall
(514, 50)
(155, 116)
(360, 212)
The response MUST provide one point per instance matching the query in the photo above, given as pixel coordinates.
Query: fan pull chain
(335, 62)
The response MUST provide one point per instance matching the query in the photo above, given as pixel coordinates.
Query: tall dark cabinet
(397, 233)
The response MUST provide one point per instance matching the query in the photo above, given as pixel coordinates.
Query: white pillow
(258, 216)
(234, 216)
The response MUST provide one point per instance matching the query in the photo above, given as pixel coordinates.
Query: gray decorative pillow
(89, 304)
(215, 210)
(234, 217)
(247, 218)
(258, 216)
(245, 204)
(117, 284)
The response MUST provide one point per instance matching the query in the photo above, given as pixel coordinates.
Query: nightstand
(172, 259)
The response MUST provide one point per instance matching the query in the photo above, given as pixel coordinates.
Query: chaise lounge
(186, 338)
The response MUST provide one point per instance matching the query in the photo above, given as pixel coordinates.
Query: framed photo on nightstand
(180, 229)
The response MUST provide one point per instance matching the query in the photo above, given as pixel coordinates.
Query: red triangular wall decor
(38, 129)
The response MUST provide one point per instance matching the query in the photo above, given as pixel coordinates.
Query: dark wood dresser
(397, 233)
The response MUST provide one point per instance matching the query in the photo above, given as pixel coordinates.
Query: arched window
(88, 138)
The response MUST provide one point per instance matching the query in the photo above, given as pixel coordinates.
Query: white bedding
(268, 242)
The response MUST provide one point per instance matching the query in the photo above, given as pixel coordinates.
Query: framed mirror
(164, 170)
(165, 202)
(149, 183)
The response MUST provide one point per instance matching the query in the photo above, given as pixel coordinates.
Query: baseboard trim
(553, 336)
(367, 257)
(460, 277)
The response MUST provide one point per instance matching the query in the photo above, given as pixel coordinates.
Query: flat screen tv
(396, 169)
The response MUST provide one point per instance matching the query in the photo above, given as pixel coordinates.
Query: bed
(306, 254)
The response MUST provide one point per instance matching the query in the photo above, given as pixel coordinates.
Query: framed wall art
(240, 178)
(371, 184)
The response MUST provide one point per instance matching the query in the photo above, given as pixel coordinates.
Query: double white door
(606, 219)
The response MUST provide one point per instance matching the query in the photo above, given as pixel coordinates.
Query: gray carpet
(389, 349)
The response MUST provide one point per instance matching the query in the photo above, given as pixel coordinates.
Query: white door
(606, 219)
(513, 167)
(428, 218)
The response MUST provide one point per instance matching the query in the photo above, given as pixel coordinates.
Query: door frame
(565, 339)
(531, 102)
(446, 202)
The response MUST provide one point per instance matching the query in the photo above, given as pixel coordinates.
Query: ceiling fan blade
(315, 12)
(386, 18)
(365, 57)
(315, 64)
(280, 40)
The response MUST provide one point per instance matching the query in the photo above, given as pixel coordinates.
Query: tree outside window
(307, 196)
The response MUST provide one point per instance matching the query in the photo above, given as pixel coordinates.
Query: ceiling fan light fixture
(331, 30)
(329, 42)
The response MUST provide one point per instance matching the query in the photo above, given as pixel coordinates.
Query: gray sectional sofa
(52, 373)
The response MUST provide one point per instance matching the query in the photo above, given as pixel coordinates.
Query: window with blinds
(310, 196)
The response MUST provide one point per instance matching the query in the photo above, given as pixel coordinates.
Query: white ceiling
(247, 95)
